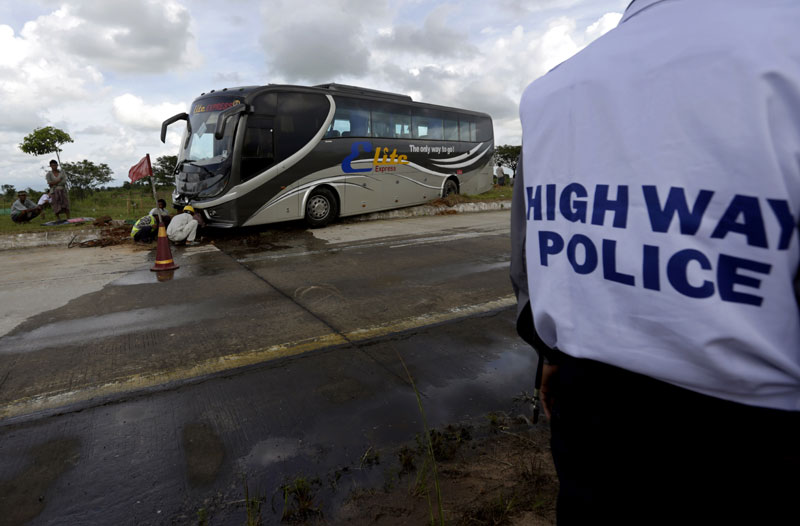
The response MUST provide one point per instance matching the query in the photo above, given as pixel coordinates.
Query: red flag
(141, 169)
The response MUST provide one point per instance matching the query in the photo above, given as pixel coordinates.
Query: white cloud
(132, 111)
(32, 80)
(141, 36)
(606, 23)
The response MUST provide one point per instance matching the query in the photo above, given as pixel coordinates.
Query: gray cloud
(435, 37)
(312, 41)
(440, 86)
(138, 36)
(228, 79)
(316, 51)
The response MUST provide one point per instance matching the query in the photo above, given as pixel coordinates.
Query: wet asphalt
(268, 356)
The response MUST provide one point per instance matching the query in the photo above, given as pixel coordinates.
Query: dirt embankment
(504, 477)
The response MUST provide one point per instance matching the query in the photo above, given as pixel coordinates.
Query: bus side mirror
(174, 118)
(222, 120)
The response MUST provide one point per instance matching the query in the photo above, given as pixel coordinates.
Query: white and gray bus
(256, 155)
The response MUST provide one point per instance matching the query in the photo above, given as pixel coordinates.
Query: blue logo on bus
(354, 152)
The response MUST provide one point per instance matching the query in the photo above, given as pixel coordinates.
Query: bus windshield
(200, 144)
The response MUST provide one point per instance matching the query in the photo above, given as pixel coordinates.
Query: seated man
(162, 211)
(24, 209)
(183, 227)
(145, 230)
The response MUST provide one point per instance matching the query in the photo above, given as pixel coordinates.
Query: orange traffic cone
(164, 259)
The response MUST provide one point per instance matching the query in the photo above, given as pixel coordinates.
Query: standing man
(59, 199)
(23, 210)
(500, 175)
(183, 227)
(655, 235)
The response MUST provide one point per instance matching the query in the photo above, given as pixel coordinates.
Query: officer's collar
(637, 6)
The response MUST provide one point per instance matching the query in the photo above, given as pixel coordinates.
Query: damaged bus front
(205, 160)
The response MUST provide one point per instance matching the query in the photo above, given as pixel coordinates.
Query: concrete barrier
(43, 239)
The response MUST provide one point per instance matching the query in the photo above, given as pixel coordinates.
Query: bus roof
(333, 88)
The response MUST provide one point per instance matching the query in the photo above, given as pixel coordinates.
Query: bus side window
(392, 121)
(257, 150)
(485, 132)
(382, 125)
(426, 124)
(402, 126)
(351, 119)
(463, 129)
(300, 116)
(451, 129)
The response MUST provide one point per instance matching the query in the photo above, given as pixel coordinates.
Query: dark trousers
(24, 217)
(146, 234)
(632, 450)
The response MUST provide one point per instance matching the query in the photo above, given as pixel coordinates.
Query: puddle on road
(204, 452)
(71, 332)
(467, 269)
(25, 496)
(192, 265)
(271, 451)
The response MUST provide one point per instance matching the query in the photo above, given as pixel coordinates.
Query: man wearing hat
(24, 209)
(183, 227)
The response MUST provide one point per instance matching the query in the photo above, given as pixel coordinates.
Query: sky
(110, 72)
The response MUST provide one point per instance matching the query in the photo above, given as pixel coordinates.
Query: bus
(263, 154)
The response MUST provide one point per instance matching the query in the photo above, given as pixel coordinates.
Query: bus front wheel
(321, 208)
(450, 187)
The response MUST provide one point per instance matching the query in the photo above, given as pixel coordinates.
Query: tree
(85, 176)
(44, 140)
(9, 190)
(164, 170)
(507, 155)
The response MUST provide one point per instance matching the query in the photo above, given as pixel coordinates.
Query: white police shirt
(662, 180)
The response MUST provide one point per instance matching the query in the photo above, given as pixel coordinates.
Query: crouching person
(145, 230)
(24, 209)
(183, 227)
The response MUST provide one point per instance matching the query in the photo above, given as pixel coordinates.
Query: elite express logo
(383, 161)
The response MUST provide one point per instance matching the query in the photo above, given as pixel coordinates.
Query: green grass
(496, 193)
(430, 459)
(119, 204)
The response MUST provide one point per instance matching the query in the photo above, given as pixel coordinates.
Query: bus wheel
(321, 208)
(450, 187)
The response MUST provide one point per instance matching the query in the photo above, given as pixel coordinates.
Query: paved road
(266, 355)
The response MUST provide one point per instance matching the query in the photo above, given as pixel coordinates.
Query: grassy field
(121, 204)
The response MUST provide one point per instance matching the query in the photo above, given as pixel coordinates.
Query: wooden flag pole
(153, 186)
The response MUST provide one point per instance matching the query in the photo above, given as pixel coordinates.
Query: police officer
(654, 246)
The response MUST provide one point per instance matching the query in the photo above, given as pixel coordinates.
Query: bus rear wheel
(450, 188)
(321, 208)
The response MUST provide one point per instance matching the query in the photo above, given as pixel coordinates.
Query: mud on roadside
(503, 476)
(498, 471)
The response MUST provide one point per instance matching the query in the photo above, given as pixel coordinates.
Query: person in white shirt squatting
(183, 227)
